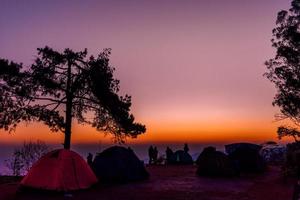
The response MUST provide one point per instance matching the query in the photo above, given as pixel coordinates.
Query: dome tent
(246, 157)
(118, 165)
(231, 148)
(214, 163)
(59, 170)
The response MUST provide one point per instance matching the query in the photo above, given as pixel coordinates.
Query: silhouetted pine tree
(284, 68)
(61, 86)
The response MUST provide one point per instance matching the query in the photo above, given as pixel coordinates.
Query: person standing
(169, 154)
(186, 148)
(90, 159)
(155, 154)
(150, 154)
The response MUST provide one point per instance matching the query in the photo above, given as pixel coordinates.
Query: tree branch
(57, 104)
(49, 104)
(85, 105)
(48, 99)
(87, 99)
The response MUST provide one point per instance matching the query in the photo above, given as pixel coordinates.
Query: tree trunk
(68, 124)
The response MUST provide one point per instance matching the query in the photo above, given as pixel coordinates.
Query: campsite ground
(175, 183)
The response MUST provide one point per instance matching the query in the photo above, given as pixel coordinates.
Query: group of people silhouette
(153, 154)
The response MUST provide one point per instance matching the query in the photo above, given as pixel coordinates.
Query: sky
(194, 69)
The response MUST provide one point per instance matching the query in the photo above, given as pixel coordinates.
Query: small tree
(284, 68)
(14, 163)
(60, 87)
(24, 157)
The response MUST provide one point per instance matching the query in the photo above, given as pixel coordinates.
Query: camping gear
(59, 170)
(118, 165)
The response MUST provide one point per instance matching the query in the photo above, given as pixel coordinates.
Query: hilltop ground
(173, 183)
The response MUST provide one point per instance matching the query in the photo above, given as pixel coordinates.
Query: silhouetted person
(186, 148)
(89, 159)
(169, 154)
(155, 154)
(150, 154)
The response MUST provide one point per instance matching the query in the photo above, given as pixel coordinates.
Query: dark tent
(181, 157)
(230, 148)
(246, 157)
(59, 170)
(118, 165)
(214, 163)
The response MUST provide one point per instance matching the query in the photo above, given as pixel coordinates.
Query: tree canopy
(284, 68)
(61, 86)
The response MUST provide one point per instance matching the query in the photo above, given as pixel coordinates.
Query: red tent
(60, 170)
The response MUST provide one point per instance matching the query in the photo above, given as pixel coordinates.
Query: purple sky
(189, 65)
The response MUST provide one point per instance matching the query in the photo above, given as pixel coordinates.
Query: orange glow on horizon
(164, 132)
